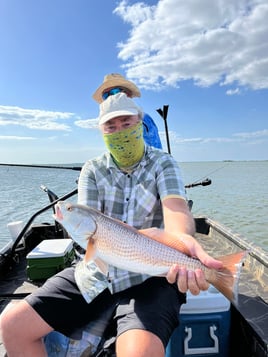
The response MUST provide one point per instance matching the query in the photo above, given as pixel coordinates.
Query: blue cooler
(204, 328)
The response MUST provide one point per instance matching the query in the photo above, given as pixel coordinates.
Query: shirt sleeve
(87, 188)
(169, 178)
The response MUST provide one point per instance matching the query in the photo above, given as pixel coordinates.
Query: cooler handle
(201, 350)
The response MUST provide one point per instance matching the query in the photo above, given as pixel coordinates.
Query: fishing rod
(195, 183)
(205, 182)
(54, 199)
(163, 113)
(23, 231)
(76, 168)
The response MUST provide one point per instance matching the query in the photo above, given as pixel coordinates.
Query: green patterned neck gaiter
(126, 146)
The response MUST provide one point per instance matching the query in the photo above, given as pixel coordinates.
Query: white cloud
(248, 137)
(233, 91)
(13, 137)
(87, 123)
(208, 41)
(254, 134)
(34, 118)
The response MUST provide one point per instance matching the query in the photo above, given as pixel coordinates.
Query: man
(115, 83)
(141, 186)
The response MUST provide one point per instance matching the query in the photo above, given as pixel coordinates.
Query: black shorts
(153, 306)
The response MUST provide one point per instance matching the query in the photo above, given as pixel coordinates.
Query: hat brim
(115, 114)
(110, 83)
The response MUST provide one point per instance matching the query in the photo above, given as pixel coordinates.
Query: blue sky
(207, 60)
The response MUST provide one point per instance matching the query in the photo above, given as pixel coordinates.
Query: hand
(192, 280)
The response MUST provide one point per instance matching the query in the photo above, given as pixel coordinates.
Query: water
(237, 197)
(21, 195)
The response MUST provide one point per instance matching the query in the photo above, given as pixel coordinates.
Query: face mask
(126, 146)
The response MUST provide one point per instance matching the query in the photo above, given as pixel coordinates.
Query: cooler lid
(208, 301)
(50, 248)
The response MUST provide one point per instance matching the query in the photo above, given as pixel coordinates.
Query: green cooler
(49, 257)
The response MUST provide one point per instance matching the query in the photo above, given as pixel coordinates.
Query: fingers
(187, 281)
(212, 263)
(182, 280)
(197, 251)
(194, 281)
(172, 274)
(200, 279)
(207, 259)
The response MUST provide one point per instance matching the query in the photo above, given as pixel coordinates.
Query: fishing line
(210, 173)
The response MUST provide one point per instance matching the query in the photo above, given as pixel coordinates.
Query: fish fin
(166, 238)
(90, 251)
(227, 278)
(102, 266)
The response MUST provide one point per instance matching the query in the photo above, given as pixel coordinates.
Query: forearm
(177, 216)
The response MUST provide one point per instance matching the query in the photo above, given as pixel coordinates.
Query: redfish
(150, 251)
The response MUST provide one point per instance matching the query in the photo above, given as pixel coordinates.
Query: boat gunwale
(238, 239)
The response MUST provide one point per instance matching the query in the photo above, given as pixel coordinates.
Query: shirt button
(127, 199)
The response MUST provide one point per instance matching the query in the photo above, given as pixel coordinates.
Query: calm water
(237, 197)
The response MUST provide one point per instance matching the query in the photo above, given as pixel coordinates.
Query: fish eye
(69, 208)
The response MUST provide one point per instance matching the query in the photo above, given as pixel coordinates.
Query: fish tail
(227, 278)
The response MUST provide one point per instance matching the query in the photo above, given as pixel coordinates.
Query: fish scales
(117, 244)
(141, 254)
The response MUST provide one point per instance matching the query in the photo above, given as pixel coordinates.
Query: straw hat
(115, 80)
(117, 105)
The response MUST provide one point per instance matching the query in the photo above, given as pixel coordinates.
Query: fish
(151, 251)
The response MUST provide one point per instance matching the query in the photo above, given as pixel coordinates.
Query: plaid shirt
(133, 198)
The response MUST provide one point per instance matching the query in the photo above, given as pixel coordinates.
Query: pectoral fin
(102, 266)
(90, 254)
(165, 238)
(90, 251)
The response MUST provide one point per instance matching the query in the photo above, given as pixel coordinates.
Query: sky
(207, 60)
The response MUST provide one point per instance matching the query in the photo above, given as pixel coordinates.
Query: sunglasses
(112, 91)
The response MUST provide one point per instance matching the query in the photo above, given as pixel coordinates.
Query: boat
(224, 328)
(248, 329)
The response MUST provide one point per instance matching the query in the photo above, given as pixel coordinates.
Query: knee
(139, 343)
(7, 326)
(21, 331)
(13, 322)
